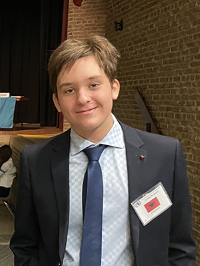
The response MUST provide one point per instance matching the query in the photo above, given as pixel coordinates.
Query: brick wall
(88, 19)
(160, 55)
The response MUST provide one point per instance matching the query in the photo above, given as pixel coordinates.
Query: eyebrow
(64, 85)
(71, 83)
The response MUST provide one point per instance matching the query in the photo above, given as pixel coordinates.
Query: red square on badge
(151, 205)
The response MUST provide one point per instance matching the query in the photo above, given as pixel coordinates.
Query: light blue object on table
(7, 109)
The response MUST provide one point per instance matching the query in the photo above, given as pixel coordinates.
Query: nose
(83, 96)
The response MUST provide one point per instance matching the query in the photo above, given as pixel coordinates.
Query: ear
(56, 103)
(115, 89)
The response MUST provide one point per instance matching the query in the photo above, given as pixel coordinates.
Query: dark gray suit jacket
(43, 202)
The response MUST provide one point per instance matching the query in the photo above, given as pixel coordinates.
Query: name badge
(151, 204)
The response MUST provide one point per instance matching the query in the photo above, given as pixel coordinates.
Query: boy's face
(85, 97)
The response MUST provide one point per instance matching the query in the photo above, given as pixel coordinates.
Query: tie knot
(94, 154)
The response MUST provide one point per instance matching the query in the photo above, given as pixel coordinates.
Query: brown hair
(71, 50)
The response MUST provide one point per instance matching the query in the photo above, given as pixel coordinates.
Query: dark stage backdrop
(29, 32)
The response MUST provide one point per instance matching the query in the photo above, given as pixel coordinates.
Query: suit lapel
(136, 161)
(60, 176)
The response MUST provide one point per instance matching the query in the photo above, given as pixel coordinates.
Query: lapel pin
(142, 157)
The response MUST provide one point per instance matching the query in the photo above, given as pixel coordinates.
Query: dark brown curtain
(64, 37)
(29, 31)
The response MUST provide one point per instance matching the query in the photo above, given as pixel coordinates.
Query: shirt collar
(113, 138)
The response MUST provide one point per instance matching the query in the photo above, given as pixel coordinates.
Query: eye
(94, 85)
(69, 91)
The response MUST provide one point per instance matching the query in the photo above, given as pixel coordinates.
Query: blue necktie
(92, 224)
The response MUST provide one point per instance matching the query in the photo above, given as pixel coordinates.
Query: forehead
(83, 61)
(83, 68)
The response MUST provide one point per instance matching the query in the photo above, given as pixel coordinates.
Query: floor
(27, 129)
(6, 231)
(6, 218)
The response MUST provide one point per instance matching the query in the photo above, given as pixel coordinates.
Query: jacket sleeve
(182, 250)
(24, 242)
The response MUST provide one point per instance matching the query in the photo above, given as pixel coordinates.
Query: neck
(98, 133)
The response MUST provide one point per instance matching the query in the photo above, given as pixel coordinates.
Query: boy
(135, 166)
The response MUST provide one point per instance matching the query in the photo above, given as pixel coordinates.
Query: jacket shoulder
(56, 142)
(147, 137)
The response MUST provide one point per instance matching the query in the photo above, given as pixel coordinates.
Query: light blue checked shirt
(116, 246)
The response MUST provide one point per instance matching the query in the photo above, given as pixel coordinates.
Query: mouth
(88, 111)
